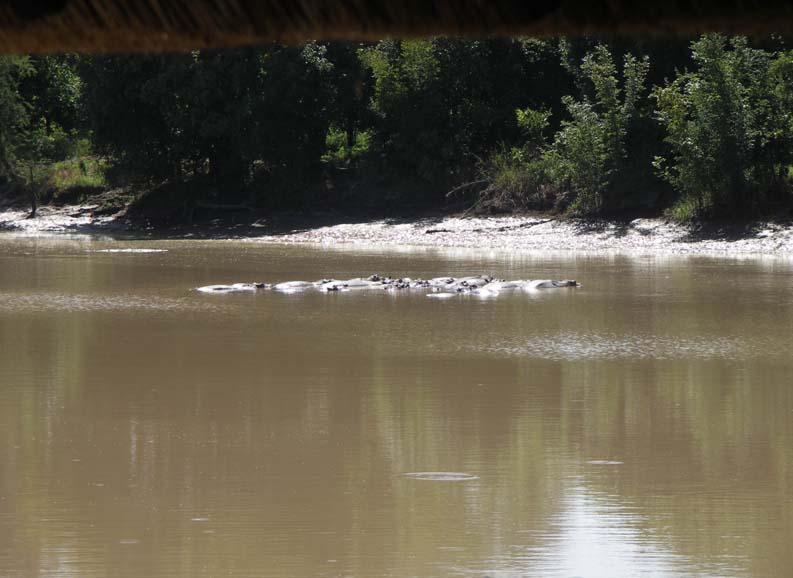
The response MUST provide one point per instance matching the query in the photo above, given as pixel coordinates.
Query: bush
(337, 149)
(589, 156)
(583, 168)
(439, 104)
(519, 178)
(729, 128)
(515, 182)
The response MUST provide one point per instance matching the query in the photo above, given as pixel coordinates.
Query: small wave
(583, 346)
(45, 302)
(441, 476)
(129, 250)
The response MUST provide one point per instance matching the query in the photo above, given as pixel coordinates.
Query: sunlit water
(640, 425)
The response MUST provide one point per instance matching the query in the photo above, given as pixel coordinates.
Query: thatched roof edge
(157, 25)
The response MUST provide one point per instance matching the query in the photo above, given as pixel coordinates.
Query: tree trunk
(34, 202)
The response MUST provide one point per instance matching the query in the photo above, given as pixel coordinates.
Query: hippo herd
(438, 287)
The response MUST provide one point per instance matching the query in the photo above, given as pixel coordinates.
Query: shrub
(589, 155)
(515, 181)
(583, 167)
(729, 128)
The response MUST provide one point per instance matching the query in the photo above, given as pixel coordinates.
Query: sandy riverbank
(536, 233)
(516, 233)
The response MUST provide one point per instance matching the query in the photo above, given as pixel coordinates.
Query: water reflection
(640, 426)
(601, 536)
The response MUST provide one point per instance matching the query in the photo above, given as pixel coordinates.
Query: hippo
(330, 285)
(359, 283)
(502, 285)
(293, 286)
(441, 281)
(215, 289)
(399, 284)
(481, 285)
(473, 282)
(485, 292)
(548, 284)
(232, 288)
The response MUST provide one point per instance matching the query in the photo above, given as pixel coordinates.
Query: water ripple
(441, 476)
(46, 302)
(128, 250)
(588, 346)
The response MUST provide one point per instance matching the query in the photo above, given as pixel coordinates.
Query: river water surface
(640, 425)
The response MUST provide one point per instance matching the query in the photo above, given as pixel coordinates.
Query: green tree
(728, 127)
(589, 153)
(213, 114)
(441, 104)
(294, 113)
(350, 86)
(53, 91)
(13, 112)
(133, 104)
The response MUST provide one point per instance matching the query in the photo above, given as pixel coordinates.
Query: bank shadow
(268, 225)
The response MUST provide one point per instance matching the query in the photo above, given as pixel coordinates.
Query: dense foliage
(590, 152)
(13, 113)
(729, 127)
(440, 104)
(703, 128)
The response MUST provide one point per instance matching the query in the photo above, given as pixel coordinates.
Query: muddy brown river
(640, 425)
